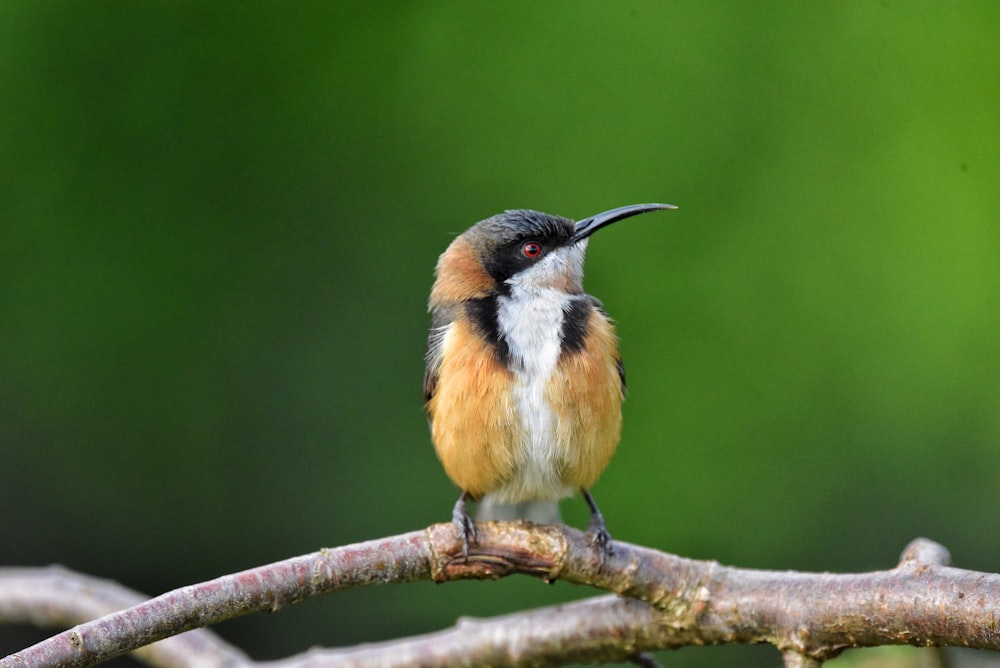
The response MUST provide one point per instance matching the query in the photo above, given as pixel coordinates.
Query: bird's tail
(539, 512)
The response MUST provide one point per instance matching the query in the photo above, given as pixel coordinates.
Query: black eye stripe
(508, 257)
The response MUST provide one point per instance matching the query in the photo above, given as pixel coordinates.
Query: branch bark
(663, 601)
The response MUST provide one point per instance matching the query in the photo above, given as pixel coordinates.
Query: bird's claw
(597, 531)
(601, 540)
(466, 527)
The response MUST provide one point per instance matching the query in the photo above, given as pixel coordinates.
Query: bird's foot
(598, 531)
(466, 527)
(601, 540)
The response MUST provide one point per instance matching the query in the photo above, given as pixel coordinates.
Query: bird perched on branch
(523, 380)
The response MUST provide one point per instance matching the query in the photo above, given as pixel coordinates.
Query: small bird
(523, 380)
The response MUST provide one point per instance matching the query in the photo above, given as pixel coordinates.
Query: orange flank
(474, 437)
(586, 393)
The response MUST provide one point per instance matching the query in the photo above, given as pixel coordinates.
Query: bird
(523, 379)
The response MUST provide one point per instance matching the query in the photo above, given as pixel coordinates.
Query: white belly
(531, 322)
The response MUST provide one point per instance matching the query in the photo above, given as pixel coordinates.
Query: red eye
(532, 249)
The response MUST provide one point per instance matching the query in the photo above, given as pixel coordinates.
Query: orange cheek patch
(460, 276)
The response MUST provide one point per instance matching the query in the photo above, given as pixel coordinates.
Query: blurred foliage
(219, 223)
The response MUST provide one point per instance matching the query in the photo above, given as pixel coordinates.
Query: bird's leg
(466, 527)
(597, 530)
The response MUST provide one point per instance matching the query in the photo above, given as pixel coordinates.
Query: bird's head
(524, 248)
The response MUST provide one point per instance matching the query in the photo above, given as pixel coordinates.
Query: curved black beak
(588, 226)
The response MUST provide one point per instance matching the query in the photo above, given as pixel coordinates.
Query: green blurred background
(219, 221)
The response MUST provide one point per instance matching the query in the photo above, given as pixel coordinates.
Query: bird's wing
(441, 319)
(618, 358)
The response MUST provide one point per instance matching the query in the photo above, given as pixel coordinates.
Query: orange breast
(479, 435)
(474, 424)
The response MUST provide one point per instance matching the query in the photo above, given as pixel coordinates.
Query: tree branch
(810, 617)
(56, 597)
